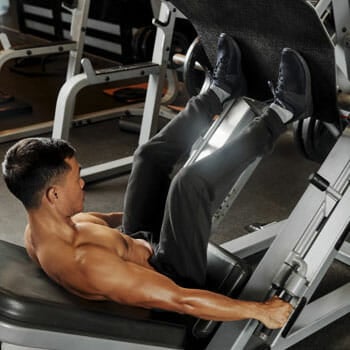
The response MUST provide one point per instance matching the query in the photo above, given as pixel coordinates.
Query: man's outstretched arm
(113, 278)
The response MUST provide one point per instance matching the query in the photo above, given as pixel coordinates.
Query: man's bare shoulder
(88, 218)
(61, 263)
(111, 219)
(90, 234)
(63, 260)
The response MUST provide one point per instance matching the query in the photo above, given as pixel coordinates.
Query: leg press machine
(36, 312)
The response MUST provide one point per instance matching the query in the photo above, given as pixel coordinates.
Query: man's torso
(60, 256)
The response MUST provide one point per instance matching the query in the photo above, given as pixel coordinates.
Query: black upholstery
(227, 275)
(262, 29)
(29, 298)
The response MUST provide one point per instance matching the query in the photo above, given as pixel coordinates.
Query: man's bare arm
(127, 283)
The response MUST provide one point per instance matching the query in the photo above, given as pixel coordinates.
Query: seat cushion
(29, 298)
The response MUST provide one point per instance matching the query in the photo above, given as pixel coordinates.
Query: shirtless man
(88, 256)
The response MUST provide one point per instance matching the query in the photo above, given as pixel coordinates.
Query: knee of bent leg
(188, 181)
(145, 152)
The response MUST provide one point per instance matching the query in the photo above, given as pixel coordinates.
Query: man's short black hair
(32, 164)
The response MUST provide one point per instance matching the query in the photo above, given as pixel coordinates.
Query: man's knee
(146, 152)
(189, 182)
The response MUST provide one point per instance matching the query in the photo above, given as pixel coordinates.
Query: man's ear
(51, 195)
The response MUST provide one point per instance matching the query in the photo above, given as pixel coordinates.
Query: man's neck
(43, 222)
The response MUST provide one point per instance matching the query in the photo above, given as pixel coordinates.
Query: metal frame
(43, 339)
(311, 233)
(260, 240)
(237, 114)
(66, 104)
(156, 70)
(340, 11)
(75, 49)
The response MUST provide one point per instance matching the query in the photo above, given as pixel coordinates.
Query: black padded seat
(30, 299)
(262, 29)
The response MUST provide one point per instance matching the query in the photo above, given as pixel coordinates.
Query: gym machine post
(156, 70)
(79, 10)
(319, 224)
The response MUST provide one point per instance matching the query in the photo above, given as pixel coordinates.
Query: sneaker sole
(309, 104)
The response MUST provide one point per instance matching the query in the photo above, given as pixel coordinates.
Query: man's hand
(275, 313)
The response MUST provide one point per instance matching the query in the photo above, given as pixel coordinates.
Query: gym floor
(270, 194)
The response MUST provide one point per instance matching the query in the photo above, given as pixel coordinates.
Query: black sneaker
(293, 90)
(228, 74)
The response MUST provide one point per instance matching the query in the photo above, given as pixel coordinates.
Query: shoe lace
(275, 91)
(216, 68)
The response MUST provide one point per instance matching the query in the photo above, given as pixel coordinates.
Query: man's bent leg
(154, 162)
(149, 181)
(195, 194)
(198, 190)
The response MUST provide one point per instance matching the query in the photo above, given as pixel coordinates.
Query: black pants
(178, 211)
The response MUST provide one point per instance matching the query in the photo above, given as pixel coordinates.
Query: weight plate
(194, 77)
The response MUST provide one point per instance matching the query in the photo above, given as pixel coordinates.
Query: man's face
(70, 190)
